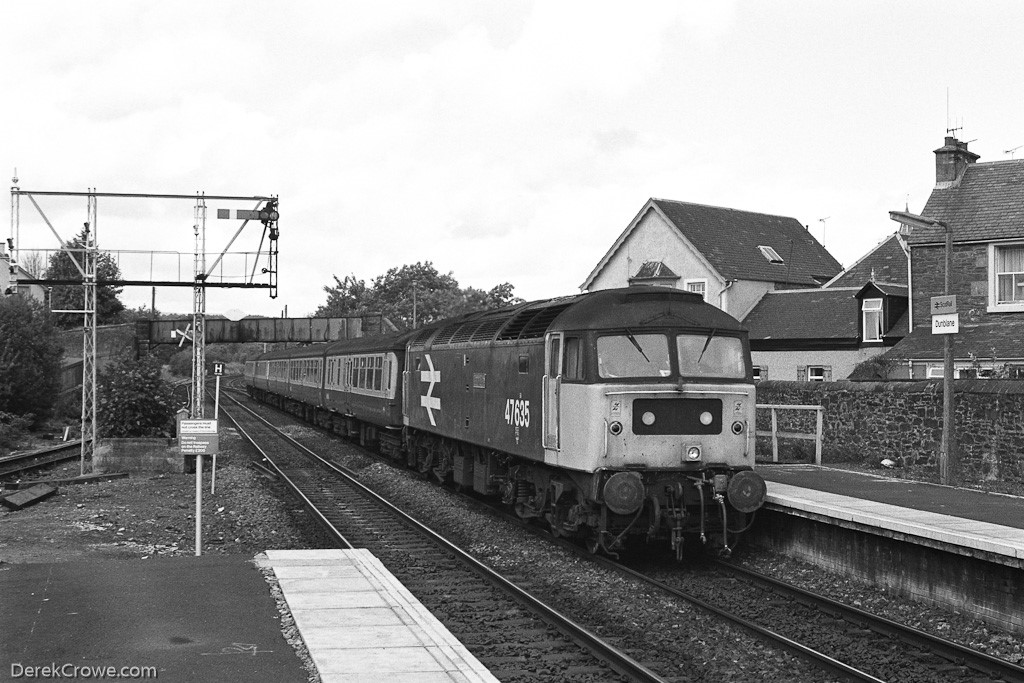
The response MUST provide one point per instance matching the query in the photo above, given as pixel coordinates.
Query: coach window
(573, 359)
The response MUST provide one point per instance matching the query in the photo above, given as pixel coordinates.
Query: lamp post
(912, 221)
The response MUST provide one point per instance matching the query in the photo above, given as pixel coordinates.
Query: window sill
(1005, 308)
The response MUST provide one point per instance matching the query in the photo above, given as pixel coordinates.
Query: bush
(133, 401)
(30, 355)
(13, 430)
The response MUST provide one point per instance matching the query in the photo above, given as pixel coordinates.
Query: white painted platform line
(362, 625)
(993, 538)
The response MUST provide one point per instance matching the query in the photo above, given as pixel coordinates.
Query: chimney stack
(950, 161)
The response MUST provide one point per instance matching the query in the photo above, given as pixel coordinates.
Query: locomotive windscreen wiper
(634, 342)
(707, 343)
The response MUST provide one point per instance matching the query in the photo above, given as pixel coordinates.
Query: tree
(412, 295)
(30, 355)
(62, 266)
(133, 400)
(350, 297)
(415, 295)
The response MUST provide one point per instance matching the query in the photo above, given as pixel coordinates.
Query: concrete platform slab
(370, 629)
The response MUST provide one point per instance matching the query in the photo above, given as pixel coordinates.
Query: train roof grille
(423, 336)
(464, 333)
(532, 323)
(446, 334)
(487, 329)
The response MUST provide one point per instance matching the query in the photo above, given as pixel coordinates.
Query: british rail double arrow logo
(430, 402)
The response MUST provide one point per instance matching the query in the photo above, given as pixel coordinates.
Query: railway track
(517, 636)
(19, 463)
(838, 641)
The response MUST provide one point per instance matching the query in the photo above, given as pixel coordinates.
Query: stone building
(982, 205)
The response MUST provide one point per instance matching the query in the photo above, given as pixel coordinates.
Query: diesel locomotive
(611, 416)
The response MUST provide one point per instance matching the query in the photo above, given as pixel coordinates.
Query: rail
(775, 434)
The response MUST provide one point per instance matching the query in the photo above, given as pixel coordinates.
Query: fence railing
(775, 434)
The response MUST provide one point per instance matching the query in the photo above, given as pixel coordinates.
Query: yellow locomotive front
(656, 419)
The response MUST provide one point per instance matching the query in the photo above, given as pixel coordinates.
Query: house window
(814, 373)
(760, 372)
(872, 315)
(1008, 267)
(697, 287)
(770, 254)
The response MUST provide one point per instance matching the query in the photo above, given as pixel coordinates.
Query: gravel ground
(712, 646)
(152, 515)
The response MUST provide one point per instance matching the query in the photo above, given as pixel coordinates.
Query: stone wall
(140, 455)
(867, 422)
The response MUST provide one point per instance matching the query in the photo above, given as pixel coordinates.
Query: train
(615, 417)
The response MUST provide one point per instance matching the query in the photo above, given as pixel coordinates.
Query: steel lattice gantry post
(199, 312)
(90, 260)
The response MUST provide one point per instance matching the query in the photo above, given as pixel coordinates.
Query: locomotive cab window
(633, 355)
(707, 355)
(573, 365)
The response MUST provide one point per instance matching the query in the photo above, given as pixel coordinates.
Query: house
(982, 206)
(731, 257)
(823, 334)
(9, 274)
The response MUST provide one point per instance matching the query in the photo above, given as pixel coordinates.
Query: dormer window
(770, 254)
(872, 319)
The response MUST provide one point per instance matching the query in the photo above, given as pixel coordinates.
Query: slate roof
(887, 262)
(832, 313)
(729, 240)
(1004, 339)
(986, 204)
(886, 288)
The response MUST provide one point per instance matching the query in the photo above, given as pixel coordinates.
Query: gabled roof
(832, 313)
(885, 288)
(729, 240)
(887, 262)
(986, 204)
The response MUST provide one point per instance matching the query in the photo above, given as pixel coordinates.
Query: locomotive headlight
(737, 427)
(706, 418)
(615, 428)
(693, 453)
(647, 418)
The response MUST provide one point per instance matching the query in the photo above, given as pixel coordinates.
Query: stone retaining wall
(139, 455)
(870, 421)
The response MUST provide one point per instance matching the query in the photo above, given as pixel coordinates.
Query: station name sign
(198, 437)
(945, 319)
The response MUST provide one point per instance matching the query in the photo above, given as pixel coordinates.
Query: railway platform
(967, 518)
(216, 618)
(948, 546)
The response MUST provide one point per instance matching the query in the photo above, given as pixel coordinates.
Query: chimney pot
(950, 161)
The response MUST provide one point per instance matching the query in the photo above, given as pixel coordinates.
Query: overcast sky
(507, 141)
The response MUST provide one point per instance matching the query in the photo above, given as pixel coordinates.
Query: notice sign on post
(198, 437)
(946, 324)
(945, 319)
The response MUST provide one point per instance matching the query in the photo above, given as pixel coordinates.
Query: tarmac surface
(208, 618)
(971, 504)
